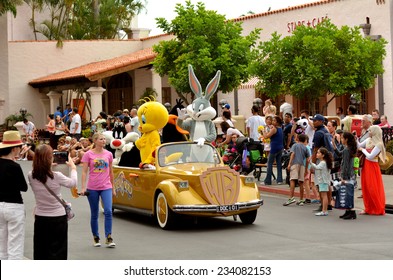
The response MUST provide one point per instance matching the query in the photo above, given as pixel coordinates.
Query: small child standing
(298, 164)
(266, 141)
(322, 177)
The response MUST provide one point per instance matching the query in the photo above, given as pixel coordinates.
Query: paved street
(279, 233)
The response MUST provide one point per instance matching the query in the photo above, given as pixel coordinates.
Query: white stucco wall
(31, 60)
(3, 70)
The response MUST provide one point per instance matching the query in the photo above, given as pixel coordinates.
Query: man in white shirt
(28, 128)
(134, 121)
(285, 108)
(76, 124)
(253, 123)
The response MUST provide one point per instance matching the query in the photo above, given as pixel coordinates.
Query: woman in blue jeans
(98, 163)
(276, 147)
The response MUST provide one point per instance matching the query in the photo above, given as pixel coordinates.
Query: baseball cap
(318, 117)
(226, 106)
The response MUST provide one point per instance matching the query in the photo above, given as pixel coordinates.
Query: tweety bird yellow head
(152, 115)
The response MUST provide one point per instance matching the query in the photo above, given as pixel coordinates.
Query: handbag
(67, 206)
(344, 196)
(361, 157)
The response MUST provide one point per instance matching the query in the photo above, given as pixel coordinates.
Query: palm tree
(9, 6)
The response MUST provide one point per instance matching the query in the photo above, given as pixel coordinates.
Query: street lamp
(258, 102)
(168, 106)
(23, 112)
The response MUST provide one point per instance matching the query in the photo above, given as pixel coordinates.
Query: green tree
(9, 6)
(207, 41)
(81, 19)
(318, 61)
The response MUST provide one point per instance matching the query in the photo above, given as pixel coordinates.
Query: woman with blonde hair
(50, 224)
(98, 163)
(372, 185)
(269, 109)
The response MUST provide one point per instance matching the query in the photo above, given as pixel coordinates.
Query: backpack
(327, 142)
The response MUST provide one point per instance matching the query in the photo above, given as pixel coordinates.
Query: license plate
(227, 208)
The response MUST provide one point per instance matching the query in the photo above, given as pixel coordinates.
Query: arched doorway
(120, 93)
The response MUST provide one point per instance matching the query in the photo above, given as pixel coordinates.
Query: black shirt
(318, 140)
(12, 181)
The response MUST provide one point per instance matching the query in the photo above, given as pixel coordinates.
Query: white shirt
(286, 108)
(232, 131)
(135, 124)
(76, 119)
(28, 128)
(253, 122)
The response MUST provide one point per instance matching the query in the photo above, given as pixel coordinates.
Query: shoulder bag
(67, 206)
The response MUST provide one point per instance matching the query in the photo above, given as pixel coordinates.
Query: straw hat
(388, 162)
(11, 139)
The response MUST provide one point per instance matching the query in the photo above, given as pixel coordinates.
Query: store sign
(291, 26)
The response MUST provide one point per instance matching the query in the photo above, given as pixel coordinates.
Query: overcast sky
(229, 8)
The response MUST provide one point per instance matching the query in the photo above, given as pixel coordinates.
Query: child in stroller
(249, 152)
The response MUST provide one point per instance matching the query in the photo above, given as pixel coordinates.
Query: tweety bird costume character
(152, 116)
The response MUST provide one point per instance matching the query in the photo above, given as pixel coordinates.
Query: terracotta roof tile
(91, 70)
(302, 6)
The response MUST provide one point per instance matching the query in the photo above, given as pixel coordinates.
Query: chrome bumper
(213, 208)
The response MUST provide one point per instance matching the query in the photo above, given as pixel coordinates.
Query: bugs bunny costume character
(197, 117)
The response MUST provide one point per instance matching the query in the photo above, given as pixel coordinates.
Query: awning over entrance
(97, 70)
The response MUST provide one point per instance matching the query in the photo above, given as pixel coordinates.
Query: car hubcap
(162, 209)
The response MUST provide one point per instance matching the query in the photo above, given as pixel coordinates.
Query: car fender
(176, 195)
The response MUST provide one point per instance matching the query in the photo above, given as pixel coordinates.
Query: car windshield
(186, 152)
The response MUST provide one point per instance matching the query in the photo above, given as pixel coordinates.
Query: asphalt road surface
(279, 233)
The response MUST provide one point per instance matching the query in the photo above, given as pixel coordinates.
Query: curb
(280, 190)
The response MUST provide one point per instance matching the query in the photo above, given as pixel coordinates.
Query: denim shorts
(323, 187)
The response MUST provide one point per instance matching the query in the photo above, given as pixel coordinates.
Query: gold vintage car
(188, 180)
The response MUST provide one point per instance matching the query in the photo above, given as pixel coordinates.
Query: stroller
(284, 164)
(250, 152)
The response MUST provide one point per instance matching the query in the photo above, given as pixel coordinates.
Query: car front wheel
(164, 215)
(249, 217)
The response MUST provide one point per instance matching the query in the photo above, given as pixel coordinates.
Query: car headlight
(249, 180)
(182, 185)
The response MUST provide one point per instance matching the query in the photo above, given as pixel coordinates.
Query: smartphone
(60, 157)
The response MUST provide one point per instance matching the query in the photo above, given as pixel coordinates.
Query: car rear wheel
(165, 216)
(249, 217)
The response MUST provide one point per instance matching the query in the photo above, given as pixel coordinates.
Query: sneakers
(330, 208)
(96, 241)
(109, 242)
(289, 201)
(321, 214)
(319, 209)
(300, 202)
(307, 201)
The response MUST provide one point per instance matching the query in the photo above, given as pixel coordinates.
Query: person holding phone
(49, 212)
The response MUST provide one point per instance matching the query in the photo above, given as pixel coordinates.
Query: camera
(60, 157)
